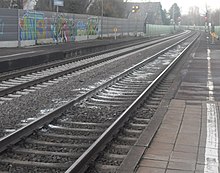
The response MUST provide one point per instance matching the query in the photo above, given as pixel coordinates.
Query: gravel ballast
(35, 104)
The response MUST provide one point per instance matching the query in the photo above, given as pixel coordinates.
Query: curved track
(71, 133)
(15, 84)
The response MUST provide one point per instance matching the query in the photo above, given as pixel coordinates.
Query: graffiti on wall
(93, 26)
(34, 26)
(63, 28)
(81, 28)
(60, 28)
(2, 24)
(31, 26)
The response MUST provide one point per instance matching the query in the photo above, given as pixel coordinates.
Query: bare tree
(44, 5)
(215, 17)
(175, 12)
(70, 6)
(11, 4)
(194, 16)
(112, 8)
(76, 6)
(4, 3)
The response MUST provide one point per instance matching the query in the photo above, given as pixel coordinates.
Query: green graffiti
(93, 24)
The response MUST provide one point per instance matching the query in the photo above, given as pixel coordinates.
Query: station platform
(16, 51)
(187, 140)
(23, 57)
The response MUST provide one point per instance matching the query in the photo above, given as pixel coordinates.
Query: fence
(217, 30)
(8, 27)
(155, 30)
(23, 28)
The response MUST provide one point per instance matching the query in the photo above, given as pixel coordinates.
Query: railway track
(67, 138)
(116, 151)
(15, 84)
(141, 112)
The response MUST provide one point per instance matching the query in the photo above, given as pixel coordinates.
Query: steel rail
(69, 60)
(25, 131)
(27, 84)
(81, 164)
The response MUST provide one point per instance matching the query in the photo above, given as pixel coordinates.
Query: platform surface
(188, 138)
(46, 48)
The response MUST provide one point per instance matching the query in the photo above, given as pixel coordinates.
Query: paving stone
(177, 103)
(161, 145)
(183, 157)
(186, 148)
(185, 166)
(153, 163)
(187, 139)
(178, 171)
(158, 151)
(150, 170)
(164, 157)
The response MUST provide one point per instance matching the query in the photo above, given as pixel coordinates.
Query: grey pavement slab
(188, 138)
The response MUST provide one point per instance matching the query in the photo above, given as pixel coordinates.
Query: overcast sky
(185, 4)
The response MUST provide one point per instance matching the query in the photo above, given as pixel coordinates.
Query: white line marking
(211, 150)
(17, 54)
(210, 82)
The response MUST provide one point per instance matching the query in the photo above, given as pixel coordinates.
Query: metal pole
(135, 24)
(174, 19)
(57, 25)
(148, 30)
(19, 30)
(35, 22)
(87, 29)
(102, 20)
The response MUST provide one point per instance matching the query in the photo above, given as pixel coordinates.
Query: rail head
(27, 130)
(81, 163)
(13, 138)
